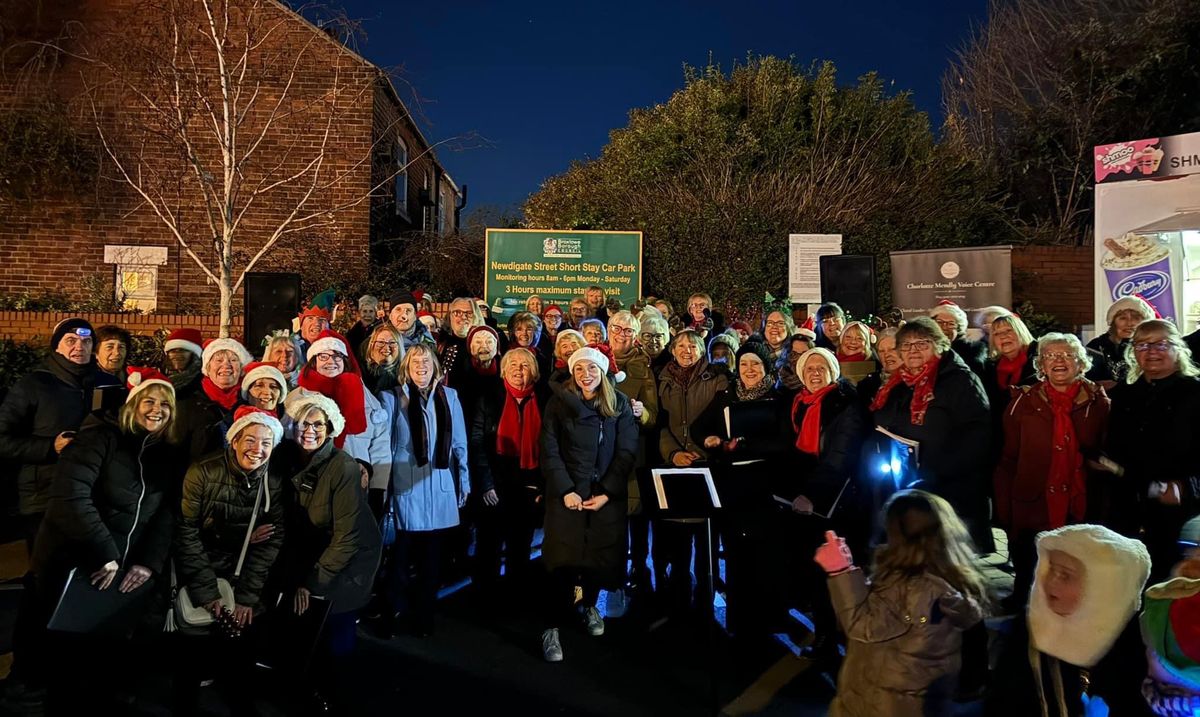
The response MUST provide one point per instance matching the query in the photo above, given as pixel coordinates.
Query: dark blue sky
(545, 82)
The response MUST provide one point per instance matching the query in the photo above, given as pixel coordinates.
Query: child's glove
(1094, 706)
(834, 556)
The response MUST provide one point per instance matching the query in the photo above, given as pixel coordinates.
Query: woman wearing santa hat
(225, 497)
(264, 387)
(205, 416)
(332, 370)
(589, 445)
(184, 361)
(1107, 350)
(108, 518)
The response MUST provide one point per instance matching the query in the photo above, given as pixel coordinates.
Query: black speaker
(271, 302)
(849, 281)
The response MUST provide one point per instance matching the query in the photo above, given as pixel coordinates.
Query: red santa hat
(599, 354)
(1131, 303)
(485, 329)
(552, 308)
(247, 415)
(139, 378)
(946, 306)
(188, 339)
(212, 346)
(259, 369)
(328, 340)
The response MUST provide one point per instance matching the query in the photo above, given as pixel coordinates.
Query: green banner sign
(558, 265)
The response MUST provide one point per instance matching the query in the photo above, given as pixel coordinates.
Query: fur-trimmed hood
(1116, 571)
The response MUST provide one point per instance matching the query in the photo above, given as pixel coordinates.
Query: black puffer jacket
(820, 478)
(588, 454)
(488, 468)
(108, 501)
(202, 424)
(53, 398)
(973, 354)
(218, 500)
(333, 545)
(955, 442)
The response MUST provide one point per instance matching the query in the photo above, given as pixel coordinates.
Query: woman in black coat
(107, 514)
(1153, 431)
(740, 464)
(1010, 363)
(506, 468)
(334, 545)
(589, 445)
(936, 400)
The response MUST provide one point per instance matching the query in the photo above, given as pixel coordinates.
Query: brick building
(328, 119)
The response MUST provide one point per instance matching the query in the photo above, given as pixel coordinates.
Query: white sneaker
(616, 604)
(595, 624)
(551, 647)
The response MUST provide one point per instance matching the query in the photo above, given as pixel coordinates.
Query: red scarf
(347, 392)
(850, 358)
(520, 426)
(921, 384)
(226, 398)
(808, 433)
(1008, 371)
(1066, 499)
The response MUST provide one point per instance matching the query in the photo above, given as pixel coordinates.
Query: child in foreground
(904, 626)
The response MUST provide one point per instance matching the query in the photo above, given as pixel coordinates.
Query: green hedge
(18, 358)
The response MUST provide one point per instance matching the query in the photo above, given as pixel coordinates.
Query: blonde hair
(519, 354)
(420, 349)
(925, 535)
(127, 416)
(1018, 327)
(606, 395)
(1183, 355)
(385, 327)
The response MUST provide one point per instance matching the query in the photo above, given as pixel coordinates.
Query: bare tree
(1044, 81)
(236, 126)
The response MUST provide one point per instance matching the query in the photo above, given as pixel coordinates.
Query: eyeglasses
(620, 331)
(1160, 346)
(921, 345)
(461, 314)
(385, 344)
(1059, 356)
(946, 323)
(777, 324)
(318, 427)
(331, 356)
(648, 337)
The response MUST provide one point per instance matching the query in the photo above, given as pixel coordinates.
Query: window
(427, 217)
(441, 214)
(400, 156)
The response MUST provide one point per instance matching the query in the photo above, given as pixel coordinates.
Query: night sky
(545, 82)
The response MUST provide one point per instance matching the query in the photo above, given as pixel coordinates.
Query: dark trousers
(1022, 552)
(413, 574)
(678, 539)
(560, 608)
(229, 662)
(505, 530)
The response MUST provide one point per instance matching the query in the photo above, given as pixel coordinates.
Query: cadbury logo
(1147, 284)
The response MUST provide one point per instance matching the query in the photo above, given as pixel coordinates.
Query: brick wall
(32, 327)
(1057, 279)
(54, 243)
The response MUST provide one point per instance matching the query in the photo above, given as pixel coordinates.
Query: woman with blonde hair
(904, 626)
(383, 350)
(1153, 432)
(589, 444)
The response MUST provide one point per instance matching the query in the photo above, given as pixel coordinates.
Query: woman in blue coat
(429, 481)
(589, 444)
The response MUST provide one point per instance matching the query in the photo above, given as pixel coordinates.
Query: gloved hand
(834, 556)
(1094, 706)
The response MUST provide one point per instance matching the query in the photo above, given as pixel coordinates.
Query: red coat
(1021, 475)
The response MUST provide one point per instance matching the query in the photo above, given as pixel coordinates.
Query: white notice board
(804, 264)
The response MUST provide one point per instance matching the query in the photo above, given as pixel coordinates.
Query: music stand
(688, 495)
